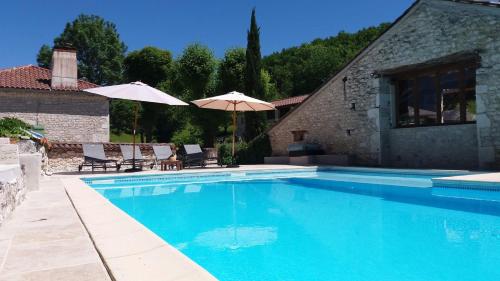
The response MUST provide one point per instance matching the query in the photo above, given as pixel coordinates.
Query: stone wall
(12, 191)
(65, 157)
(453, 147)
(65, 116)
(12, 178)
(431, 30)
(9, 154)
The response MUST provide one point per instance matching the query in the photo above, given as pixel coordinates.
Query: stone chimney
(64, 68)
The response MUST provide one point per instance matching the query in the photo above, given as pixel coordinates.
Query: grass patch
(124, 138)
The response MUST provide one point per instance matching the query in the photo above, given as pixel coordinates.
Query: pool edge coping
(253, 168)
(147, 258)
(241, 169)
(444, 178)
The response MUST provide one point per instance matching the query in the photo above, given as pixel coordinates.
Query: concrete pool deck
(44, 239)
(68, 231)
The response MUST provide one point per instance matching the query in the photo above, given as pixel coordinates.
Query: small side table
(169, 165)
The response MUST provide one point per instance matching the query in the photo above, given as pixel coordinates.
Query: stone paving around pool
(45, 240)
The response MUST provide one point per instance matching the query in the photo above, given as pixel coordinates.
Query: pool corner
(129, 250)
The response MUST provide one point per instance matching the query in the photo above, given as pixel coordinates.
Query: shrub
(12, 127)
(256, 150)
(225, 152)
(252, 152)
(187, 135)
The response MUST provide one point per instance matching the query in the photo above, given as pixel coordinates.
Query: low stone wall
(12, 189)
(65, 157)
(9, 154)
(20, 170)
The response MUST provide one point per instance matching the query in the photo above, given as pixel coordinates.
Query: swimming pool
(317, 225)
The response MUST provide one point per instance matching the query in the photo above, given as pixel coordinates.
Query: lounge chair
(128, 155)
(93, 156)
(192, 155)
(162, 153)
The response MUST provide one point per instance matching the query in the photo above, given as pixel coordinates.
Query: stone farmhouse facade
(425, 94)
(54, 100)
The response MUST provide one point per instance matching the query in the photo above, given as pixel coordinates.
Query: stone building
(283, 106)
(426, 93)
(53, 99)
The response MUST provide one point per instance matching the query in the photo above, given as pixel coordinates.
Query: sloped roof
(289, 101)
(33, 77)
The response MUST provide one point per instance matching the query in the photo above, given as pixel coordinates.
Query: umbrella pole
(136, 113)
(234, 126)
(233, 164)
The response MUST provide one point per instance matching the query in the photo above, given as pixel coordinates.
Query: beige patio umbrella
(136, 91)
(234, 101)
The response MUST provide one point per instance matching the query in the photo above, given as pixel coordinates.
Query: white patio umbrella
(234, 101)
(136, 91)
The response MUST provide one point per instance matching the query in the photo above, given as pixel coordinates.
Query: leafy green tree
(167, 123)
(121, 113)
(231, 77)
(44, 56)
(268, 87)
(196, 70)
(188, 134)
(152, 66)
(173, 118)
(300, 70)
(232, 71)
(254, 121)
(100, 52)
(195, 75)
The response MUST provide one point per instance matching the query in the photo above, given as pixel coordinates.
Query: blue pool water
(318, 225)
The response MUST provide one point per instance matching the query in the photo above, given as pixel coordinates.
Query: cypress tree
(254, 121)
(253, 57)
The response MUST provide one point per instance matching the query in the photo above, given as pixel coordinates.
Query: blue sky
(219, 24)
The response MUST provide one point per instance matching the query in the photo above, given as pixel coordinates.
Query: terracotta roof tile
(34, 78)
(290, 101)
